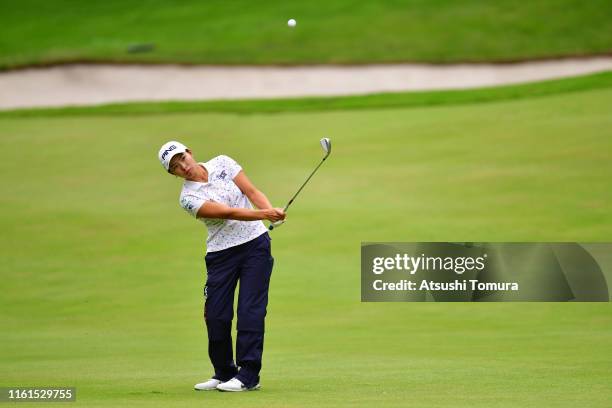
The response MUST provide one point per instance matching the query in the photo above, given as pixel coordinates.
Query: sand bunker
(100, 84)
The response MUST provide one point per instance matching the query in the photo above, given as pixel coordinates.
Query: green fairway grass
(102, 271)
(343, 31)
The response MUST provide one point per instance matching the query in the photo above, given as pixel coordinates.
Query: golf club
(326, 145)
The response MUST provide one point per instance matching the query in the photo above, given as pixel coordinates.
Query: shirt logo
(222, 175)
(188, 205)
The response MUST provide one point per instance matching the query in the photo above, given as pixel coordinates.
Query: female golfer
(238, 248)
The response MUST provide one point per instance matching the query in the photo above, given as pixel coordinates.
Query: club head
(326, 145)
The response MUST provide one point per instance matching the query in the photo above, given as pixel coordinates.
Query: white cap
(168, 150)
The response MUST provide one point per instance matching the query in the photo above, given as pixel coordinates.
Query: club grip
(276, 224)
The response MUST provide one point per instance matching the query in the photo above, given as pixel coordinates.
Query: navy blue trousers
(251, 264)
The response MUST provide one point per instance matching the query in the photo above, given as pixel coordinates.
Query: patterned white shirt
(220, 188)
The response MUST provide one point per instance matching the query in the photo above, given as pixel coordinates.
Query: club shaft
(309, 177)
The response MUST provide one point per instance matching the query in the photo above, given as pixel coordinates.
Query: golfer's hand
(275, 214)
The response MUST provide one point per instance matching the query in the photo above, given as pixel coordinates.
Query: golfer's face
(183, 165)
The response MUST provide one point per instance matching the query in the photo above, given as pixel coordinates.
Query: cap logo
(168, 150)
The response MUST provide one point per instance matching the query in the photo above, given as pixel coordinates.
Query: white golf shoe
(207, 385)
(235, 385)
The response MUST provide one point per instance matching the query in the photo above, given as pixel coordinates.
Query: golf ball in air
(291, 23)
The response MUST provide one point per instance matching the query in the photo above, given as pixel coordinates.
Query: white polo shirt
(220, 188)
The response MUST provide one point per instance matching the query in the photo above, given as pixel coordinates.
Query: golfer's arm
(258, 198)
(215, 210)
